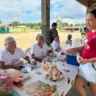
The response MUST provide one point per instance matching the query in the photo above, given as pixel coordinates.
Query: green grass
(21, 31)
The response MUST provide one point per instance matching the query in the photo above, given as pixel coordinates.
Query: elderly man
(10, 55)
(39, 50)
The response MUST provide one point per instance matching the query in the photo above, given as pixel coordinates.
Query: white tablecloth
(62, 85)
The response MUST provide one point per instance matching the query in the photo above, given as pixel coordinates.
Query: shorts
(88, 72)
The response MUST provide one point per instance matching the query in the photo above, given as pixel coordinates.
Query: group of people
(10, 55)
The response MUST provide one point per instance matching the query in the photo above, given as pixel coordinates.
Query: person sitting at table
(40, 49)
(69, 41)
(10, 55)
(87, 62)
(56, 44)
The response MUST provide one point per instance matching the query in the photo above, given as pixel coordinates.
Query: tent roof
(88, 3)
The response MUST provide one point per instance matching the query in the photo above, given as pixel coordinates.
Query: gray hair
(39, 35)
(8, 39)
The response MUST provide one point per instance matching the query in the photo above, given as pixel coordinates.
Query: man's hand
(18, 63)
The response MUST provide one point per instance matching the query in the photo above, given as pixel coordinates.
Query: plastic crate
(72, 60)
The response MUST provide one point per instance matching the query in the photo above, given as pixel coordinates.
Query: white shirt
(9, 58)
(56, 45)
(39, 52)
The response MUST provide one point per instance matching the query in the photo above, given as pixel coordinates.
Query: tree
(61, 25)
(14, 23)
(0, 21)
(71, 24)
(83, 25)
(77, 24)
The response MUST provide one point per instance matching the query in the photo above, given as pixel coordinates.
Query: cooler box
(72, 60)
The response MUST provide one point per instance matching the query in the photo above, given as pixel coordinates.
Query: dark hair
(85, 29)
(93, 12)
(69, 36)
(54, 24)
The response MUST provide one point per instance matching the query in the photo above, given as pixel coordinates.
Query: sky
(29, 11)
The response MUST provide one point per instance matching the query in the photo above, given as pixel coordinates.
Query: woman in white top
(40, 49)
(10, 55)
(56, 44)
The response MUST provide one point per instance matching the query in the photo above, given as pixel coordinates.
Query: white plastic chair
(28, 52)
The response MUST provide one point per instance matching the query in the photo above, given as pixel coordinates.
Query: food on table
(23, 60)
(66, 70)
(63, 53)
(45, 66)
(53, 72)
(9, 77)
(61, 56)
(6, 84)
(39, 88)
(63, 64)
(69, 81)
(18, 84)
(38, 73)
(15, 74)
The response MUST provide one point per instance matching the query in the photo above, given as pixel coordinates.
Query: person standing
(87, 73)
(51, 34)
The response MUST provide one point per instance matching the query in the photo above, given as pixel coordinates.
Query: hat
(8, 39)
(39, 35)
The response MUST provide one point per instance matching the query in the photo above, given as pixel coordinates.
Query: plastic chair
(28, 52)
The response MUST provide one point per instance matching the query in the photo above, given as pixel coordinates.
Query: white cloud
(9, 8)
(71, 11)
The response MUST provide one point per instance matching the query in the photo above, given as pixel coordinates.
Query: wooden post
(45, 16)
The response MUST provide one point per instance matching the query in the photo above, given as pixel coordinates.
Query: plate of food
(53, 73)
(39, 88)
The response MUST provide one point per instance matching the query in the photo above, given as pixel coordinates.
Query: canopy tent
(88, 3)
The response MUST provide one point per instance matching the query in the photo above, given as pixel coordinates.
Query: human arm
(27, 59)
(84, 61)
(36, 58)
(77, 49)
(3, 66)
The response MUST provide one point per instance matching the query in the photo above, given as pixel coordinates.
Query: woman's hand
(83, 61)
(71, 50)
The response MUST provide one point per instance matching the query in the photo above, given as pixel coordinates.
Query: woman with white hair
(10, 55)
(40, 49)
